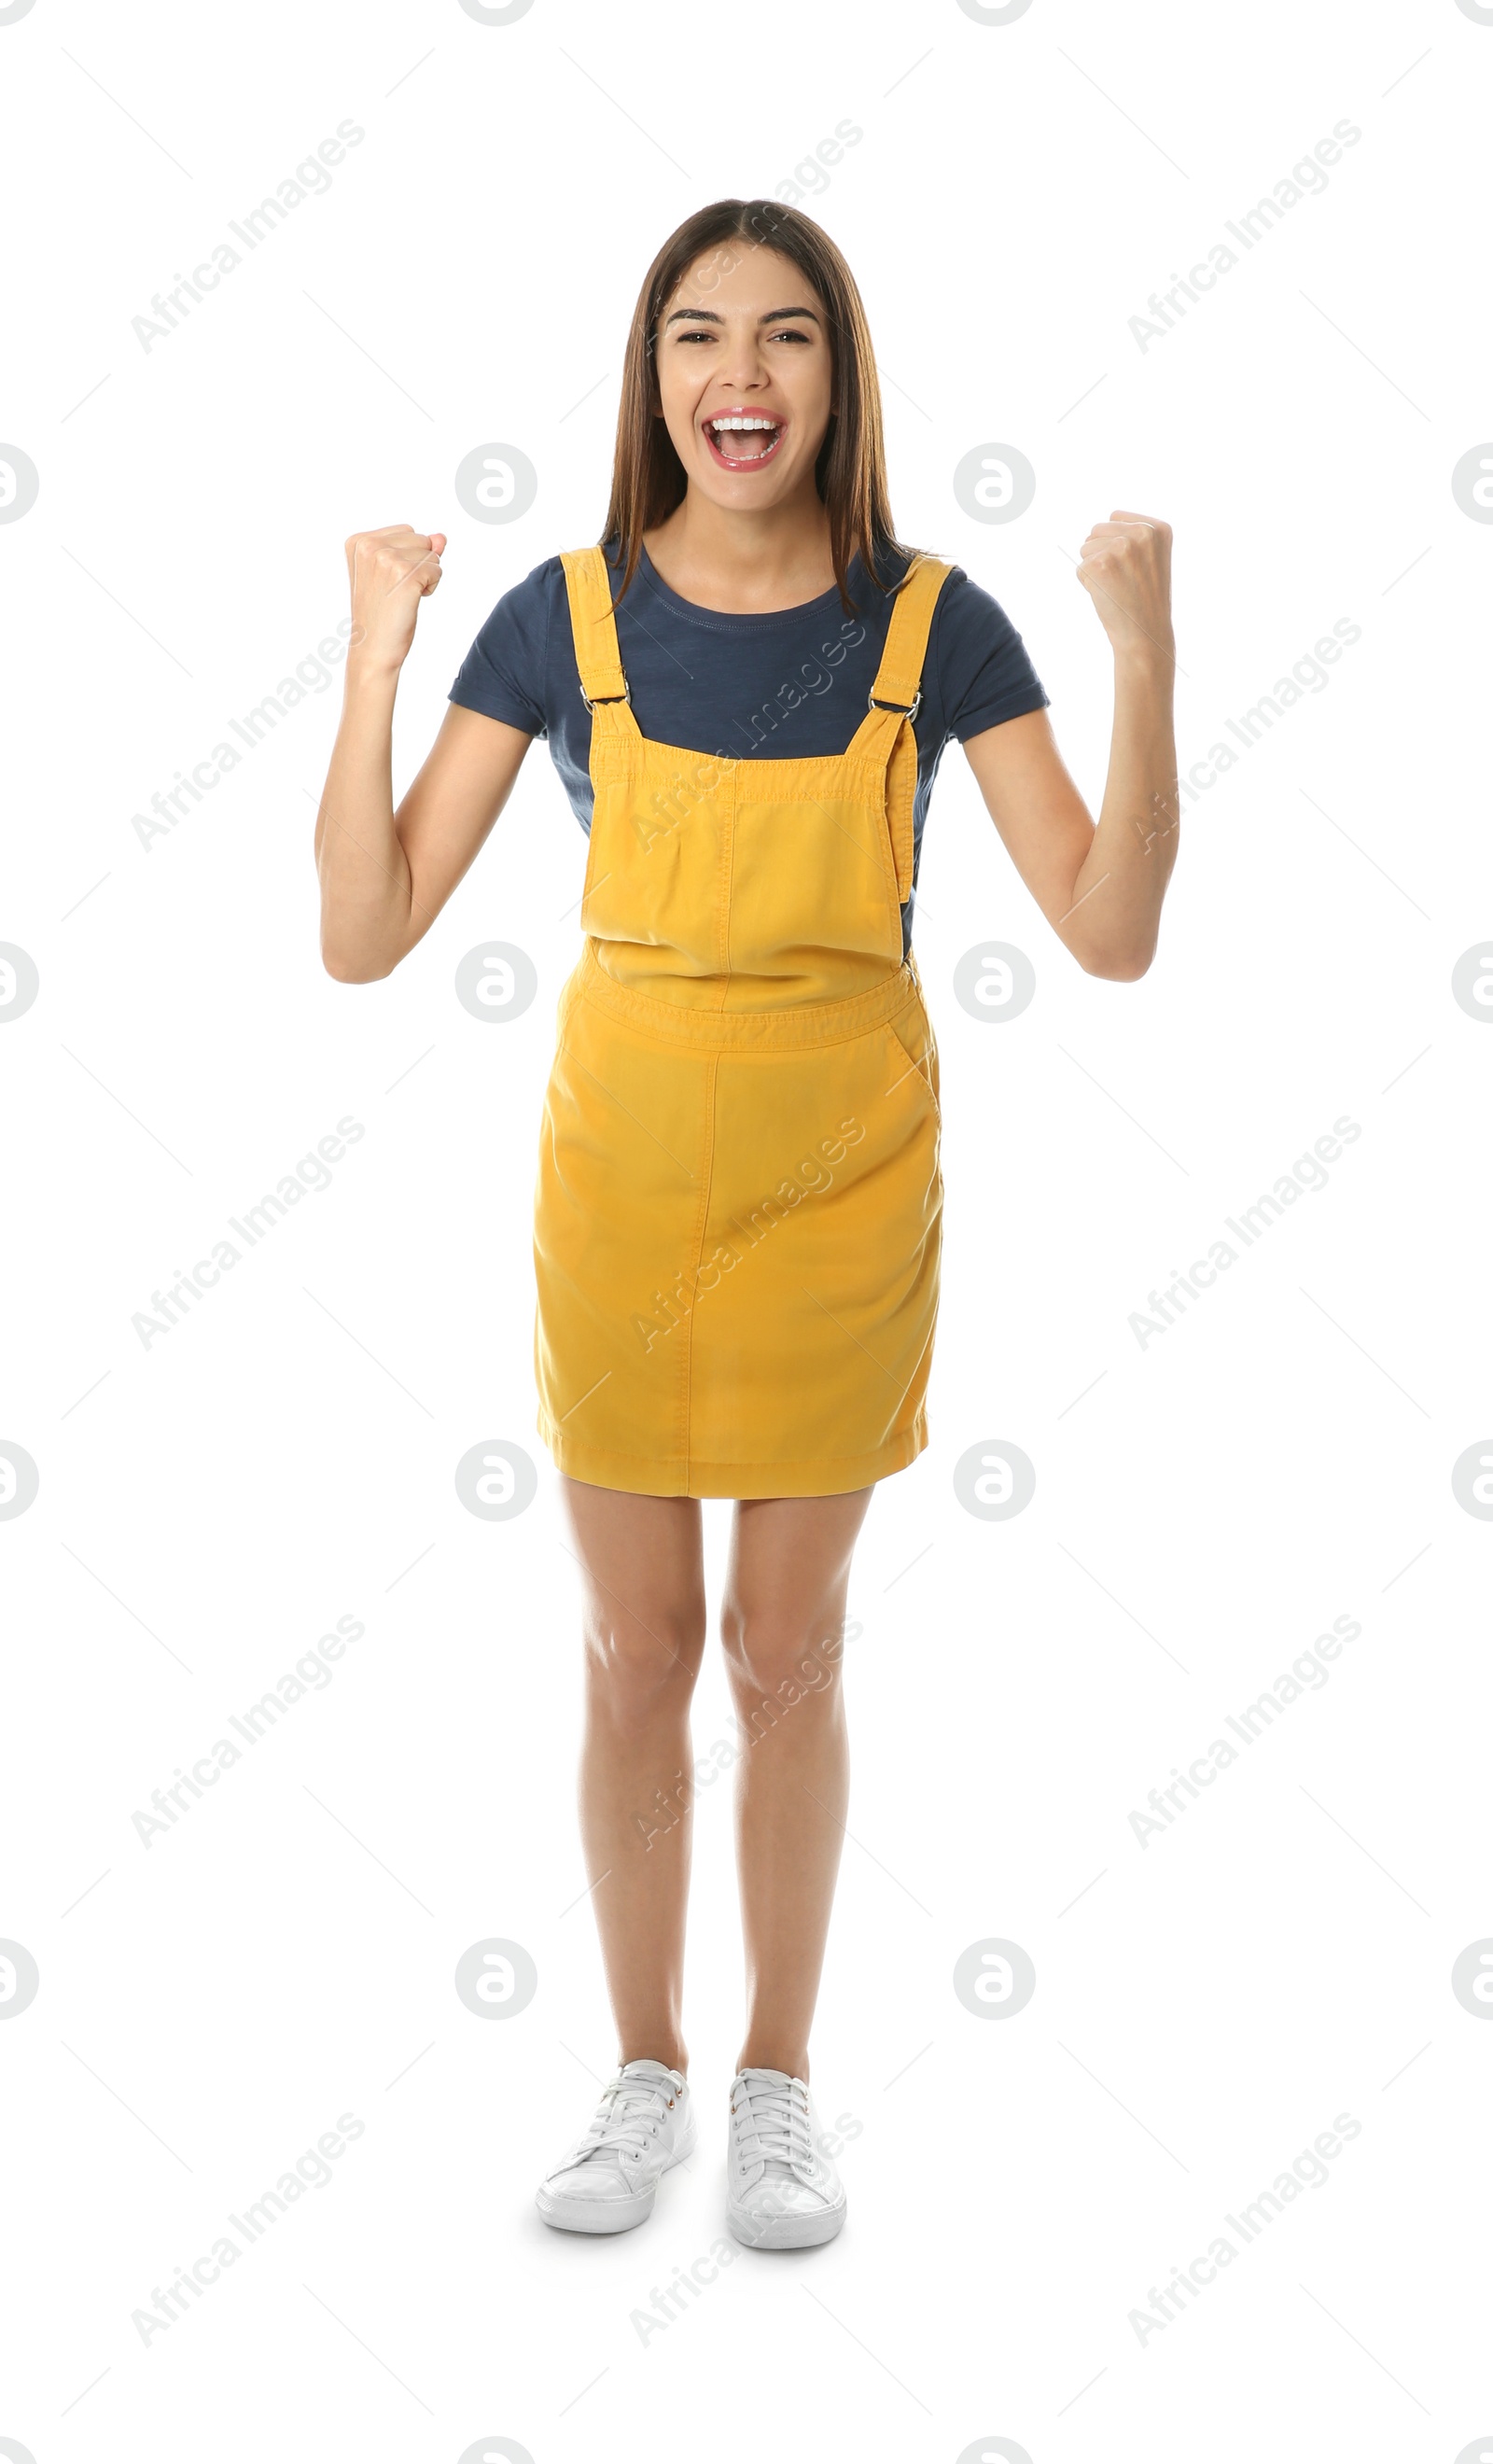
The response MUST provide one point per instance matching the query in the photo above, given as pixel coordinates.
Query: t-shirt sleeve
(503, 673)
(985, 672)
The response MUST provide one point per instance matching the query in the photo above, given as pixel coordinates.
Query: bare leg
(644, 1637)
(781, 1625)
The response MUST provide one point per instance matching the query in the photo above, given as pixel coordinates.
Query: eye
(790, 334)
(694, 333)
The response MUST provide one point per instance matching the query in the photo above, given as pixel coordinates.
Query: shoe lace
(629, 2115)
(772, 2121)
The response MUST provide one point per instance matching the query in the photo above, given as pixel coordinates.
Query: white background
(1205, 1506)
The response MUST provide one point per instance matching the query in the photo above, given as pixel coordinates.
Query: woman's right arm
(386, 875)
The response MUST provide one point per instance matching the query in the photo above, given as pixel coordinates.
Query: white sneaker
(608, 2181)
(783, 2192)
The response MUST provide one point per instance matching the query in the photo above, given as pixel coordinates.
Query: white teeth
(737, 421)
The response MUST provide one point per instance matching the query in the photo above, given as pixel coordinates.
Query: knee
(773, 1657)
(639, 1670)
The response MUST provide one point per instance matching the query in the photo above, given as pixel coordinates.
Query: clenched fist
(390, 572)
(1125, 564)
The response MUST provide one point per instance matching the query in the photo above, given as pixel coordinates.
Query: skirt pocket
(911, 1037)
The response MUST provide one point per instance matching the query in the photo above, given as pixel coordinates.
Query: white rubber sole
(607, 2216)
(785, 2233)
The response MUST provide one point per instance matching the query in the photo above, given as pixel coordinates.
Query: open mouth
(743, 440)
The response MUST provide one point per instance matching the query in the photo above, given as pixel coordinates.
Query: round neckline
(751, 620)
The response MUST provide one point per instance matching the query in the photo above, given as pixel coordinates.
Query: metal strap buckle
(906, 709)
(606, 699)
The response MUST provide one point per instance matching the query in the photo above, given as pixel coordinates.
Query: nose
(744, 370)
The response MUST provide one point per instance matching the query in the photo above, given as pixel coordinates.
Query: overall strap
(900, 677)
(594, 628)
(886, 732)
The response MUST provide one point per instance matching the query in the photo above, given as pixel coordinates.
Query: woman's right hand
(390, 571)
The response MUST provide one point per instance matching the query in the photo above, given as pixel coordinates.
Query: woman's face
(745, 342)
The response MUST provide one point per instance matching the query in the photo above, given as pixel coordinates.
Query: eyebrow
(709, 317)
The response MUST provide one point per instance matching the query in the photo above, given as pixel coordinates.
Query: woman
(746, 690)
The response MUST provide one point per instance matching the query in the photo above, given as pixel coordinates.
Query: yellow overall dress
(738, 1208)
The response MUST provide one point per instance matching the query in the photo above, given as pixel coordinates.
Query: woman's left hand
(1125, 564)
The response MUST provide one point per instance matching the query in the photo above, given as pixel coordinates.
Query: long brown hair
(851, 473)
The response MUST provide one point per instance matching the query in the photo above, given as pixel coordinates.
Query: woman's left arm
(1101, 886)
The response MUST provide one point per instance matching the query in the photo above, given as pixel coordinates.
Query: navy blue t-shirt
(778, 687)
